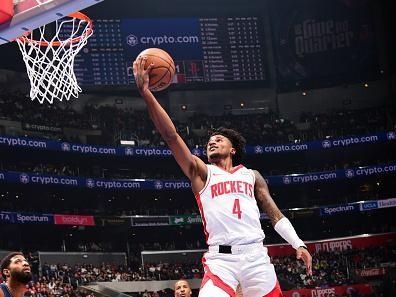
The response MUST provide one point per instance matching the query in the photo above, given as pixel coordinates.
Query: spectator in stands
(182, 288)
(16, 271)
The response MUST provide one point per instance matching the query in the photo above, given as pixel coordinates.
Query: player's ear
(233, 151)
(6, 272)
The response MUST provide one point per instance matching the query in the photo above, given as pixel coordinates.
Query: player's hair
(237, 140)
(6, 261)
(182, 280)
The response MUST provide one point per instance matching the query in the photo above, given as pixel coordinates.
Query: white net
(50, 61)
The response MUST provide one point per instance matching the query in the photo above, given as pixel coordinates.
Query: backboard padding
(31, 14)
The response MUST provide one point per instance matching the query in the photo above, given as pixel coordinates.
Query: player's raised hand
(303, 254)
(141, 74)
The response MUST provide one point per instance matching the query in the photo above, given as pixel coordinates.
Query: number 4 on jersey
(236, 209)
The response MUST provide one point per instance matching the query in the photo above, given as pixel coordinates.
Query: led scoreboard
(226, 49)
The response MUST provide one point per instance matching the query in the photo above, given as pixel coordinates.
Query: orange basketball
(163, 71)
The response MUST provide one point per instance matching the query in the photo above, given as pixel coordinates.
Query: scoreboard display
(205, 50)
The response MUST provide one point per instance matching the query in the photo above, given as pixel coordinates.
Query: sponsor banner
(359, 242)
(185, 220)
(142, 184)
(25, 218)
(331, 246)
(370, 170)
(332, 175)
(388, 264)
(33, 218)
(338, 209)
(304, 178)
(149, 152)
(348, 141)
(179, 36)
(336, 244)
(40, 179)
(149, 221)
(31, 143)
(315, 40)
(41, 128)
(324, 144)
(75, 220)
(370, 272)
(149, 184)
(111, 221)
(387, 203)
(7, 217)
(301, 213)
(92, 183)
(368, 205)
(352, 290)
(96, 183)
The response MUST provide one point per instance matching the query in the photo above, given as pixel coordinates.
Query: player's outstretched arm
(193, 167)
(281, 224)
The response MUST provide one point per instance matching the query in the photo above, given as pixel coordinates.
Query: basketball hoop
(50, 61)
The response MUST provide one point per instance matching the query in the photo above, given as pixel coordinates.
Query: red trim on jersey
(235, 169)
(253, 176)
(198, 198)
(208, 181)
(217, 281)
(276, 291)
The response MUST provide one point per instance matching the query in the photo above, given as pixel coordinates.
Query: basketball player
(182, 288)
(228, 195)
(16, 273)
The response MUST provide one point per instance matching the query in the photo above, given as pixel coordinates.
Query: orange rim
(76, 15)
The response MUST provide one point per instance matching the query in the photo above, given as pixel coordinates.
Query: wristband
(286, 230)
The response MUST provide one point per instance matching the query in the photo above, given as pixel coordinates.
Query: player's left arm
(281, 224)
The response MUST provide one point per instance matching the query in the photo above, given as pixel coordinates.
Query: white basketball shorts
(249, 265)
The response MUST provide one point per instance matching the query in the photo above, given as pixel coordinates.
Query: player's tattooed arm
(284, 227)
(264, 199)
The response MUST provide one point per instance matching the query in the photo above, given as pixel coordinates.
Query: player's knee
(210, 290)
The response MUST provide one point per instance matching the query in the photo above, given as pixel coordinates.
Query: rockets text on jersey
(228, 207)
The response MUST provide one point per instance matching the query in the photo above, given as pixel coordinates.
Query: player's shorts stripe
(217, 281)
(276, 291)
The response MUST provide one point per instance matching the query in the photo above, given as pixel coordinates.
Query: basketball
(161, 75)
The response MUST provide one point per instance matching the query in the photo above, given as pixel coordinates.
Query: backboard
(31, 14)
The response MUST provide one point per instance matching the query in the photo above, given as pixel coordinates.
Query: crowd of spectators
(332, 268)
(85, 274)
(15, 107)
(329, 269)
(263, 128)
(44, 288)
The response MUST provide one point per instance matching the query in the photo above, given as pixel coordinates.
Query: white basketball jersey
(228, 207)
